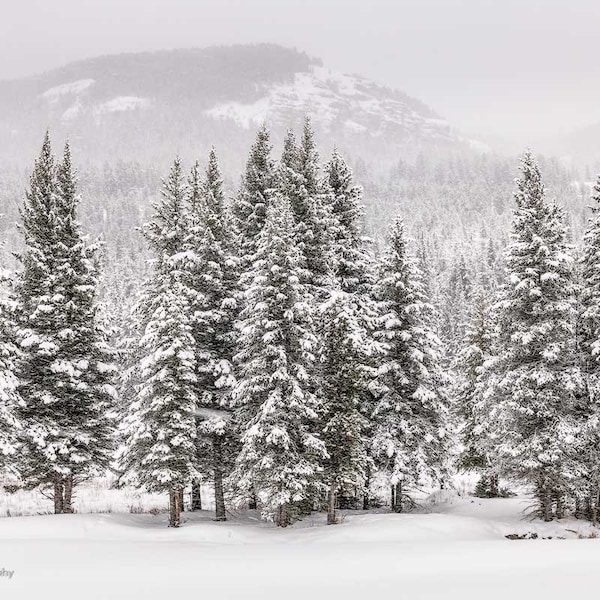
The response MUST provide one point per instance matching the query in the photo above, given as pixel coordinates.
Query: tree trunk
(392, 497)
(397, 495)
(578, 513)
(283, 516)
(196, 495)
(68, 495)
(560, 506)
(588, 508)
(366, 496)
(331, 516)
(594, 506)
(58, 494)
(252, 504)
(174, 507)
(494, 486)
(545, 500)
(218, 476)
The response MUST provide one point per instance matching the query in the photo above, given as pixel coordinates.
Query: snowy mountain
(338, 100)
(151, 105)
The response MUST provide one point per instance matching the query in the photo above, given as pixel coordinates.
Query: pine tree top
(166, 232)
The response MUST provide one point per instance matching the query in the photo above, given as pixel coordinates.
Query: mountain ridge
(151, 104)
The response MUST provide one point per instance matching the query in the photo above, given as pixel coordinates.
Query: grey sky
(493, 66)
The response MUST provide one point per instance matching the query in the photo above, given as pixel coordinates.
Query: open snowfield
(458, 550)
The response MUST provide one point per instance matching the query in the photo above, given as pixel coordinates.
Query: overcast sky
(489, 66)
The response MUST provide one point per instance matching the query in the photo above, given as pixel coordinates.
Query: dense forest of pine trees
(276, 352)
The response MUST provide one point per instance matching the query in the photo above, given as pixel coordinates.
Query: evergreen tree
(274, 400)
(9, 396)
(161, 444)
(299, 182)
(531, 384)
(161, 431)
(214, 280)
(167, 232)
(345, 373)
(195, 204)
(411, 438)
(353, 264)
(475, 350)
(250, 205)
(354, 274)
(195, 189)
(130, 353)
(590, 296)
(64, 367)
(589, 352)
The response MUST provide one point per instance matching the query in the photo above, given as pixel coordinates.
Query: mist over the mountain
(149, 106)
(517, 69)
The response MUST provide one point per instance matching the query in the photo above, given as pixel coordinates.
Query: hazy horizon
(518, 70)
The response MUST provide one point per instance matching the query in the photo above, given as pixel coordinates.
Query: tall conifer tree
(214, 278)
(65, 365)
(9, 396)
(589, 352)
(346, 373)
(300, 183)
(353, 260)
(532, 386)
(274, 401)
(475, 350)
(355, 312)
(251, 203)
(411, 434)
(161, 426)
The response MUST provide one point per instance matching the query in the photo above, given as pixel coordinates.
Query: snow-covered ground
(455, 549)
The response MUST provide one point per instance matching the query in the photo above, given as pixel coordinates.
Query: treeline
(274, 353)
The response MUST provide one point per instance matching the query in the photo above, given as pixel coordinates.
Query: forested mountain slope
(151, 105)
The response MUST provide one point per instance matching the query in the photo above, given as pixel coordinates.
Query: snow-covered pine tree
(161, 445)
(213, 277)
(195, 201)
(589, 326)
(475, 350)
(160, 452)
(281, 453)
(195, 189)
(64, 367)
(299, 181)
(168, 230)
(589, 352)
(531, 384)
(353, 260)
(354, 274)
(346, 372)
(130, 328)
(411, 436)
(249, 209)
(9, 396)
(249, 212)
